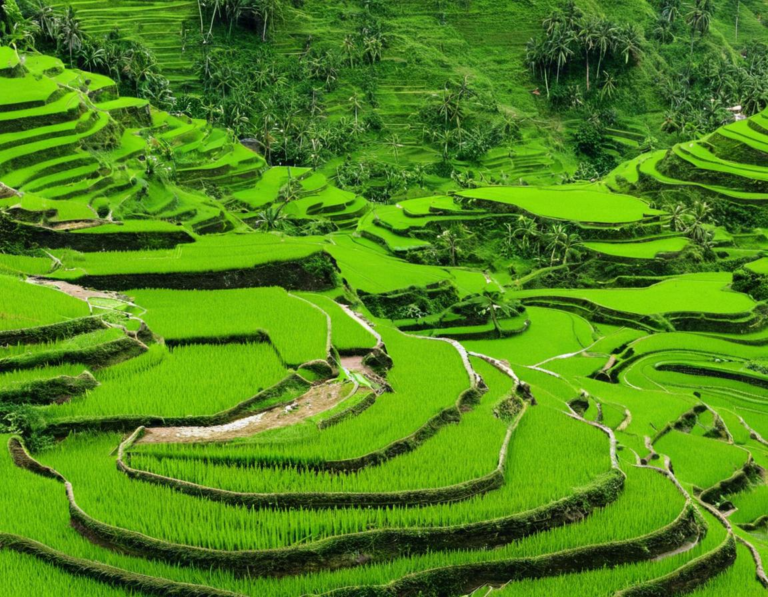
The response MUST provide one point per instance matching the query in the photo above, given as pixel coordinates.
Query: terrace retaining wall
(291, 275)
(46, 391)
(54, 331)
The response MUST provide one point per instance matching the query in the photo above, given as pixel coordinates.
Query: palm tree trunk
(587, 55)
(200, 10)
(599, 62)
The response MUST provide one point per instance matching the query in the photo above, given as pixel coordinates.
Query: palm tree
(444, 138)
(451, 240)
(71, 33)
(92, 57)
(670, 10)
(701, 211)
(525, 232)
(538, 58)
(271, 218)
(588, 36)
(350, 49)
(492, 304)
(678, 218)
(631, 43)
(604, 41)
(394, 146)
(449, 106)
(561, 244)
(354, 101)
(373, 46)
(609, 86)
(270, 12)
(562, 49)
(699, 19)
(663, 31)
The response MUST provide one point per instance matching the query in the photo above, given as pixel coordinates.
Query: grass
(427, 379)
(297, 329)
(168, 514)
(439, 461)
(650, 249)
(184, 381)
(690, 293)
(578, 204)
(700, 461)
(551, 332)
(346, 332)
(25, 305)
(214, 253)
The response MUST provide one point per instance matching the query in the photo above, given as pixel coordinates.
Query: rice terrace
(383, 298)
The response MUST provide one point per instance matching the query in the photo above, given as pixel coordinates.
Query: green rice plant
(185, 519)
(750, 504)
(428, 378)
(608, 581)
(374, 272)
(74, 343)
(440, 461)
(22, 574)
(183, 381)
(24, 305)
(551, 332)
(346, 333)
(298, 330)
(24, 264)
(642, 249)
(10, 379)
(579, 203)
(648, 502)
(214, 253)
(740, 579)
(698, 460)
(697, 293)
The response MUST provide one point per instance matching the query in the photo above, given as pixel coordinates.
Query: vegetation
(368, 298)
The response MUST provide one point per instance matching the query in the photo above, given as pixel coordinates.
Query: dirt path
(355, 363)
(318, 399)
(75, 290)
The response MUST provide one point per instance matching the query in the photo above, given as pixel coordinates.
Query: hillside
(386, 66)
(378, 371)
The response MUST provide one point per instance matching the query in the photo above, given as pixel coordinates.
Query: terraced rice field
(194, 405)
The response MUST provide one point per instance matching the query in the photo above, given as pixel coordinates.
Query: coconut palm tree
(92, 57)
(451, 240)
(699, 19)
(373, 45)
(588, 36)
(609, 86)
(354, 101)
(349, 46)
(394, 146)
(525, 233)
(630, 42)
(71, 33)
(46, 18)
(493, 305)
(561, 244)
(678, 218)
(562, 49)
(271, 12)
(670, 10)
(605, 39)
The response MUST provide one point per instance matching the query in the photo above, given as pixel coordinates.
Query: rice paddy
(477, 390)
